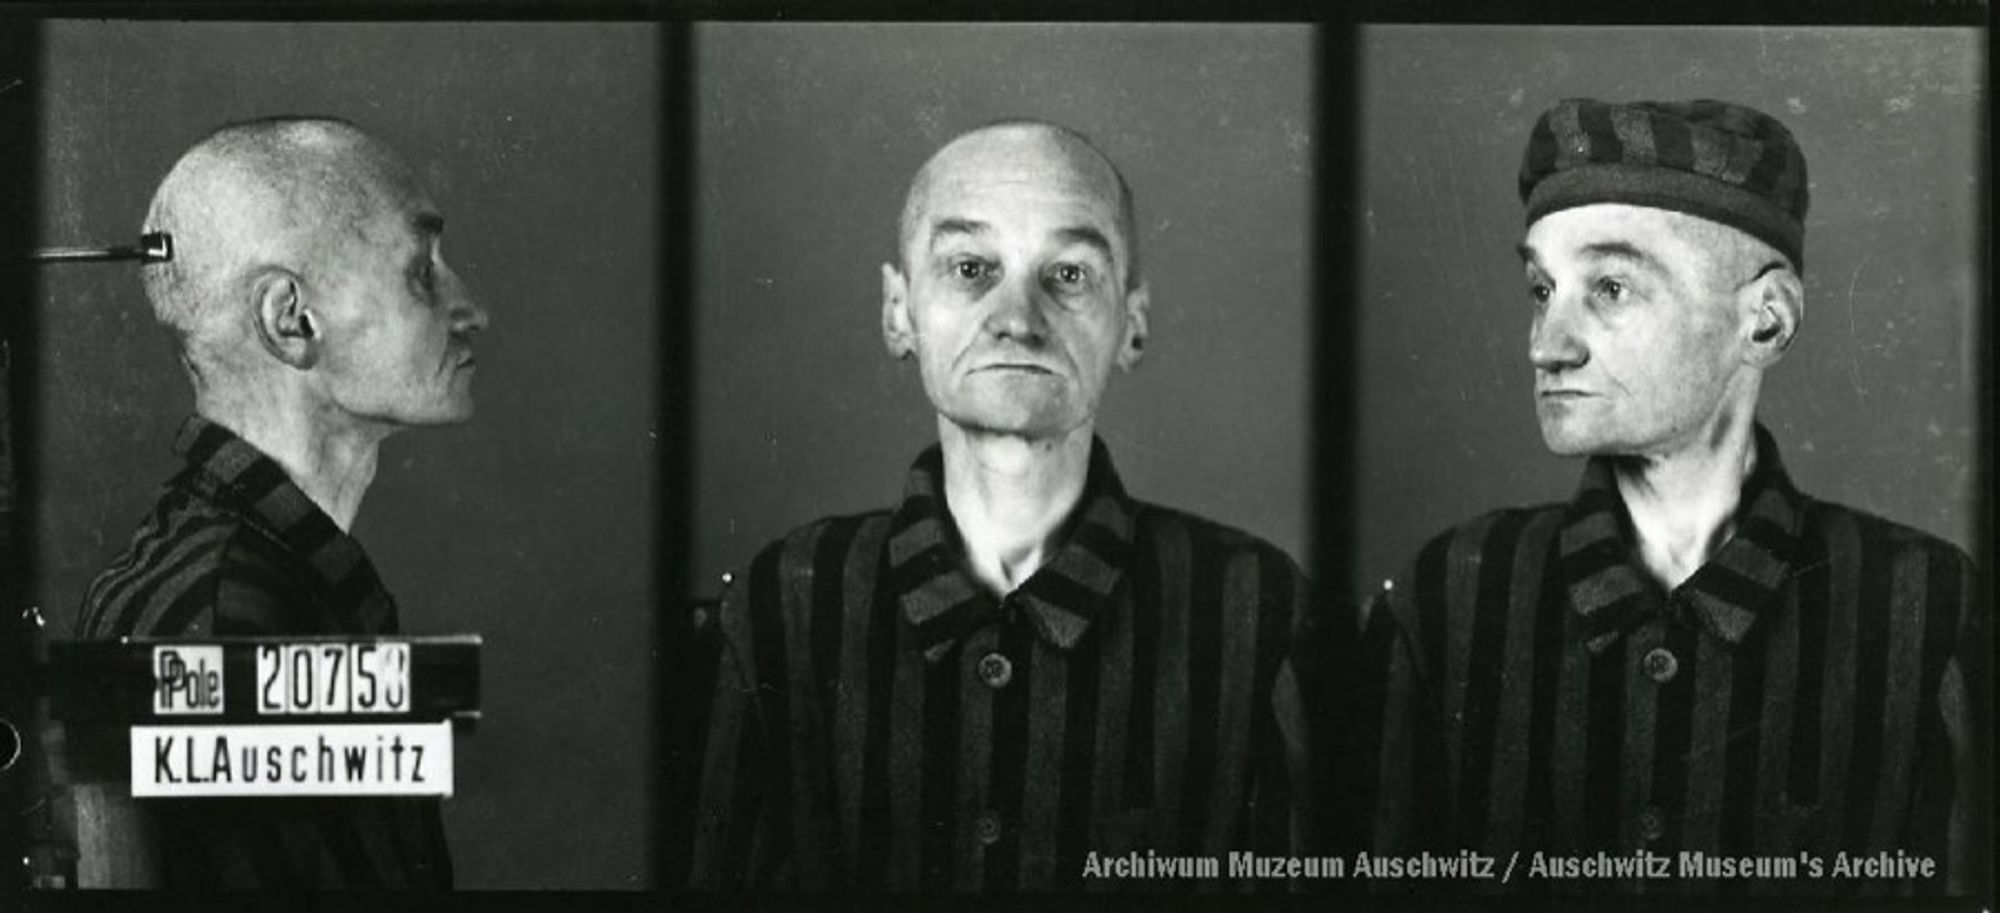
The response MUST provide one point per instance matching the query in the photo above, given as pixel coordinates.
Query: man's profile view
(1020, 667)
(315, 316)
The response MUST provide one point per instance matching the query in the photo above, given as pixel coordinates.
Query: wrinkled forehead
(1024, 172)
(1604, 229)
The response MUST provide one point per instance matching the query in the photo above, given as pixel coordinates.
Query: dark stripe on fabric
(1149, 619)
(1110, 743)
(1007, 779)
(800, 576)
(1901, 704)
(1225, 819)
(1428, 594)
(852, 707)
(255, 483)
(767, 643)
(877, 822)
(1605, 746)
(1871, 670)
(1815, 588)
(1936, 786)
(191, 563)
(1485, 671)
(185, 529)
(1544, 661)
(1431, 821)
(1277, 618)
(827, 618)
(1671, 142)
(1737, 836)
(921, 568)
(1595, 121)
(1674, 735)
(184, 615)
(939, 772)
(1076, 798)
(1203, 649)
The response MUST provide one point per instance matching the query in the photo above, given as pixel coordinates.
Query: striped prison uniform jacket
(1820, 686)
(881, 722)
(234, 549)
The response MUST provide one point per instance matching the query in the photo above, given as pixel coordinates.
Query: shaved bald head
(1031, 147)
(277, 192)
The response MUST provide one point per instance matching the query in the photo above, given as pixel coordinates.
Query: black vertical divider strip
(1330, 556)
(25, 774)
(682, 668)
(1982, 485)
(1335, 317)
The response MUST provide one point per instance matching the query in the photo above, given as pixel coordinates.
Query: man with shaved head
(1020, 677)
(1691, 677)
(315, 316)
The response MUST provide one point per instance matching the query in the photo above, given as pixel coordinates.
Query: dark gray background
(808, 138)
(1875, 404)
(532, 525)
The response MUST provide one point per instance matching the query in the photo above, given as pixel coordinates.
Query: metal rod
(153, 247)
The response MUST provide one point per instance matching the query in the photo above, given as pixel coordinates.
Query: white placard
(333, 678)
(352, 759)
(187, 679)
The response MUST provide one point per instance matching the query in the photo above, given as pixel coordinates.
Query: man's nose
(1018, 312)
(1553, 343)
(468, 313)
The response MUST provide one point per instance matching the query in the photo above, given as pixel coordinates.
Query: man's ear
(1138, 309)
(898, 334)
(1777, 302)
(285, 323)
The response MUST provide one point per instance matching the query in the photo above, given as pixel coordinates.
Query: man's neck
(1009, 496)
(333, 463)
(1683, 505)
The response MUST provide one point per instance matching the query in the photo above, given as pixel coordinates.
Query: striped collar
(1061, 599)
(1727, 595)
(229, 471)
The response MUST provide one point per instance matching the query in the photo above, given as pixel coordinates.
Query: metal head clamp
(153, 247)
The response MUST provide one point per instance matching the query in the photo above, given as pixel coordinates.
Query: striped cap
(1723, 162)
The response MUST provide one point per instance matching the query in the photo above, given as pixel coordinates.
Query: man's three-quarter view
(1691, 659)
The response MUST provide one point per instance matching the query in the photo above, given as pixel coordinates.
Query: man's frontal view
(1019, 669)
(1691, 661)
(315, 316)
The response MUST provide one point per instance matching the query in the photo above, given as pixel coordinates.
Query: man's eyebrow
(1526, 253)
(944, 227)
(1086, 235)
(1623, 250)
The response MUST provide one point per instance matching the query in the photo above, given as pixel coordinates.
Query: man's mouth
(1024, 367)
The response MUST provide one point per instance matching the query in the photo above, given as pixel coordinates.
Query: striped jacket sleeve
(1960, 764)
(1395, 779)
(734, 819)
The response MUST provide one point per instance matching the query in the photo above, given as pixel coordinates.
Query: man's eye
(970, 270)
(1069, 275)
(1539, 292)
(1611, 289)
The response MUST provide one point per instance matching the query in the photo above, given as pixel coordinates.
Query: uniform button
(995, 670)
(1651, 825)
(987, 828)
(1660, 665)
